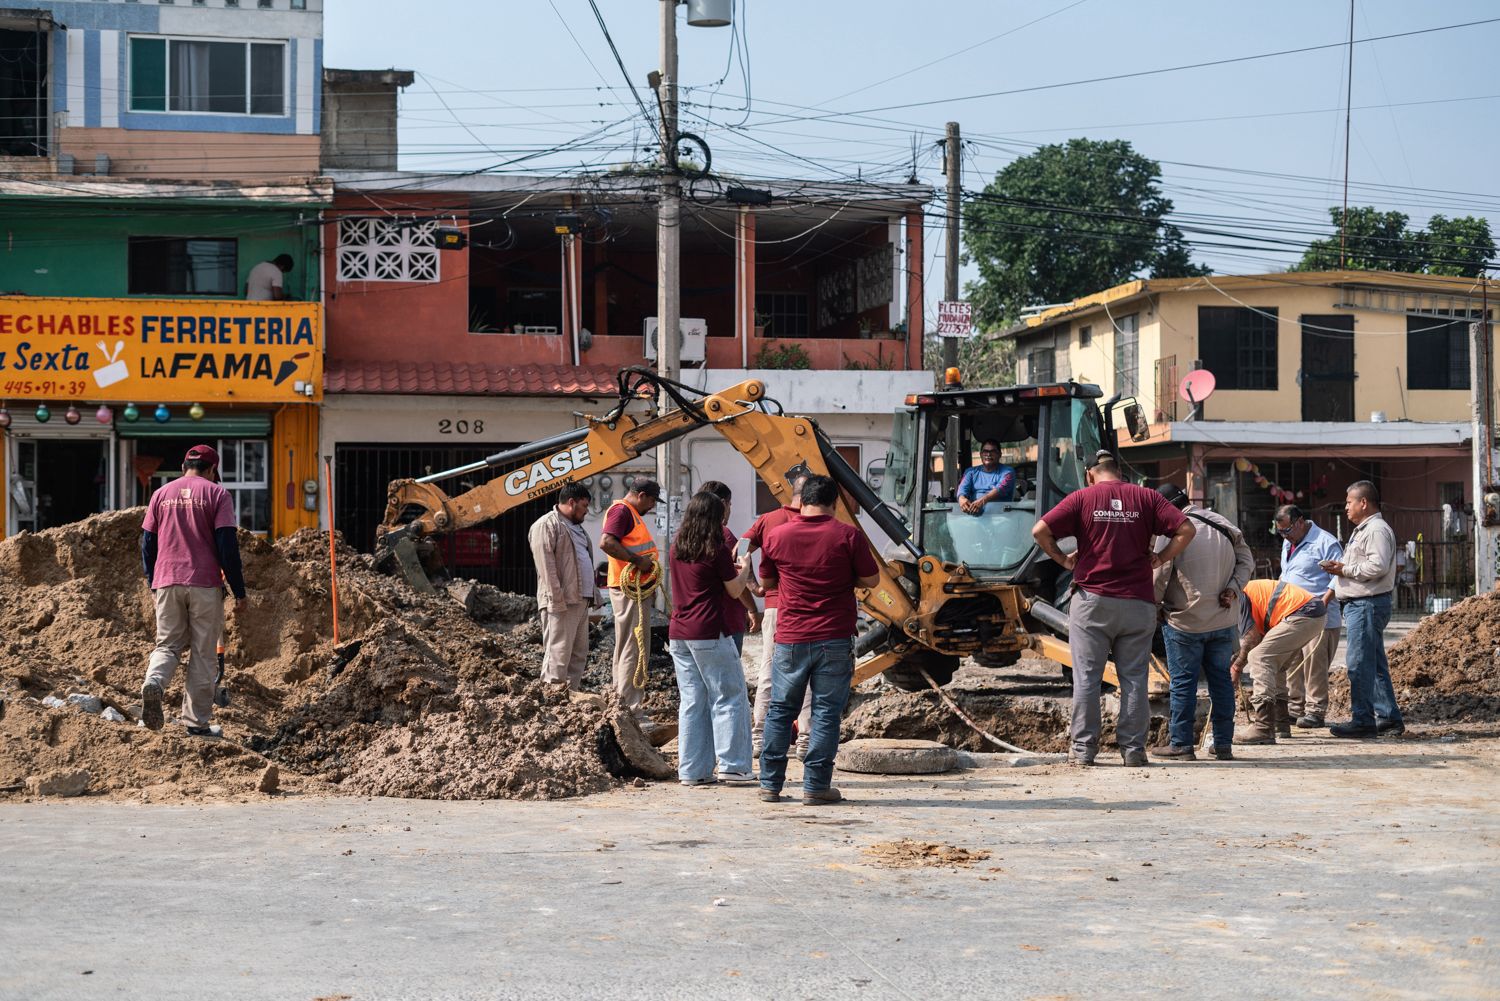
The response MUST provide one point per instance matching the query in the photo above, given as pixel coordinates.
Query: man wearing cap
(1198, 593)
(627, 541)
(1113, 609)
(190, 549)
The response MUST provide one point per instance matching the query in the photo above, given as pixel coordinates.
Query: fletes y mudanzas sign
(160, 350)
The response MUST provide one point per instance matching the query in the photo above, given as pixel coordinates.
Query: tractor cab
(1044, 432)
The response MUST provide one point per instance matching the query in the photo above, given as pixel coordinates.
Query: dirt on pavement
(427, 700)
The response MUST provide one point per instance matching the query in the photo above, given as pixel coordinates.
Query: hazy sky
(502, 79)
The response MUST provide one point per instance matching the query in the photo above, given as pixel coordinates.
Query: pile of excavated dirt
(426, 699)
(1447, 669)
(909, 854)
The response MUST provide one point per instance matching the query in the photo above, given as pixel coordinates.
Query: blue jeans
(1188, 656)
(713, 715)
(827, 666)
(1371, 695)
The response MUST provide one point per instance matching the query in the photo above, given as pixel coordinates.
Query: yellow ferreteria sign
(160, 350)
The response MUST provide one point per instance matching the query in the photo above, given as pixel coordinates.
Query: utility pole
(668, 254)
(953, 168)
(1481, 390)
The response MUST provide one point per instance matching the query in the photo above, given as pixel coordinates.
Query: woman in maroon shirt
(713, 715)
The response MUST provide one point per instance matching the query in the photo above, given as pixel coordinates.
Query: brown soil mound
(1447, 669)
(427, 701)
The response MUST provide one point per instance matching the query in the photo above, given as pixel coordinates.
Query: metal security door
(1327, 368)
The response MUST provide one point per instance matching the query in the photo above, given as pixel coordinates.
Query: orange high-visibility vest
(637, 542)
(1271, 601)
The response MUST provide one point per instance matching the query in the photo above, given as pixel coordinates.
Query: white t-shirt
(264, 277)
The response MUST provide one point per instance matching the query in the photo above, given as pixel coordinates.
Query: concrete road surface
(1315, 870)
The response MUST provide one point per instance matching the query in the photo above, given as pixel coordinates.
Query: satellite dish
(1197, 386)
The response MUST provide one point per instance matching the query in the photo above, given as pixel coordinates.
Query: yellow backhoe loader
(952, 585)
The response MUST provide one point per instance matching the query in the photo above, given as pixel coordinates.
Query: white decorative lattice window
(388, 249)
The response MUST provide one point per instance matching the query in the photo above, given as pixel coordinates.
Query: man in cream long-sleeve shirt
(1363, 582)
(1199, 593)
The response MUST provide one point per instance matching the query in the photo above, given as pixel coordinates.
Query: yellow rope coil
(639, 587)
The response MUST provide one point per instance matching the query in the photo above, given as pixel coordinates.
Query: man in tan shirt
(564, 585)
(1363, 581)
(1198, 593)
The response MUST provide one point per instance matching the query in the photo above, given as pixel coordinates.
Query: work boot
(1283, 718)
(1389, 728)
(1312, 721)
(1081, 758)
(1174, 751)
(818, 797)
(1352, 729)
(770, 796)
(1223, 752)
(1135, 758)
(1262, 728)
(151, 713)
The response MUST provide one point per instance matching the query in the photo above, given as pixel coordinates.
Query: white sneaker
(738, 778)
(694, 783)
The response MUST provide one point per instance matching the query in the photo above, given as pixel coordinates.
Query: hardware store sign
(160, 350)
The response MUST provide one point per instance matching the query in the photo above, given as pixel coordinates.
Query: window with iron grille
(1042, 364)
(1239, 345)
(1128, 355)
(1437, 353)
(783, 314)
(387, 249)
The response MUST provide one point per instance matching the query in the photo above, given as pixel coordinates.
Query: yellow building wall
(1169, 326)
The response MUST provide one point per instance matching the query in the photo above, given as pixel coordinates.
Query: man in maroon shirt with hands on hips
(814, 562)
(1113, 611)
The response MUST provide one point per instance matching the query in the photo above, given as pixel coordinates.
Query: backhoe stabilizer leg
(405, 552)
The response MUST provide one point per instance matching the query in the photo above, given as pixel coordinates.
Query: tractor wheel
(906, 677)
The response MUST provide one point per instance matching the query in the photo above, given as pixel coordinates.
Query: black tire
(906, 676)
(1005, 658)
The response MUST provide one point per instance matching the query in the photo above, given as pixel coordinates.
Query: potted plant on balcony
(762, 321)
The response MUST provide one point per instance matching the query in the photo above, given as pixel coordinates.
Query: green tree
(1065, 221)
(1382, 241)
(981, 361)
(1459, 247)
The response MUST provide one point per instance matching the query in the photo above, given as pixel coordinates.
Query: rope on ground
(967, 719)
(639, 587)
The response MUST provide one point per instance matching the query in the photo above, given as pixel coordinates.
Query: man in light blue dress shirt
(1303, 546)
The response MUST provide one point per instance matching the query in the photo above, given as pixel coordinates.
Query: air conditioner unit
(692, 339)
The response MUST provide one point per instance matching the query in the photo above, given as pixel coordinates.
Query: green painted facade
(68, 247)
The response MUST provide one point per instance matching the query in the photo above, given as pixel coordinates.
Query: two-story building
(439, 357)
(151, 155)
(1322, 378)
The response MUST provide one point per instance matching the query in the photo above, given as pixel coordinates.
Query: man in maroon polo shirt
(1113, 611)
(814, 562)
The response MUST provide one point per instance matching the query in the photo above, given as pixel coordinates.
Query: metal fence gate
(494, 552)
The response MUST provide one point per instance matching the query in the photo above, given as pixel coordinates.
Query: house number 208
(460, 427)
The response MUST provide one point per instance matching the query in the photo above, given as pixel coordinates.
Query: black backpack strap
(1212, 524)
